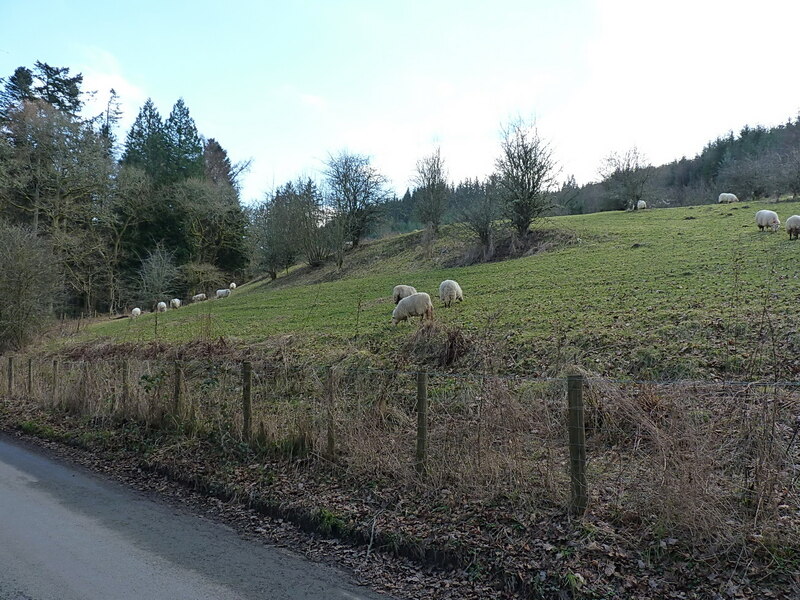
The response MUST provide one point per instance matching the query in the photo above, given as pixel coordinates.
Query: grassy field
(662, 294)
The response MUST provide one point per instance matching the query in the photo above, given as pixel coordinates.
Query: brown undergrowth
(693, 486)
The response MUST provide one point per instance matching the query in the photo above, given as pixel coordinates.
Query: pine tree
(184, 148)
(217, 165)
(16, 89)
(57, 88)
(145, 144)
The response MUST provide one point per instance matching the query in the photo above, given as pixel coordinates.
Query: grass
(664, 293)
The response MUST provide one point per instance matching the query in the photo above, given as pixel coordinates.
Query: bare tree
(28, 284)
(356, 191)
(480, 212)
(527, 173)
(432, 189)
(158, 276)
(625, 177)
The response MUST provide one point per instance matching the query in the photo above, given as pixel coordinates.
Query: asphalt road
(66, 534)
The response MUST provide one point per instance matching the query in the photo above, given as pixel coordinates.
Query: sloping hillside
(665, 293)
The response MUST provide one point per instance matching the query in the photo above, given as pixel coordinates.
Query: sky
(287, 84)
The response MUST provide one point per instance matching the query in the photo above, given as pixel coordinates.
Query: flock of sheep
(176, 302)
(411, 303)
(768, 218)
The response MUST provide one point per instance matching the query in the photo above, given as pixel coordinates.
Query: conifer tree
(184, 147)
(145, 145)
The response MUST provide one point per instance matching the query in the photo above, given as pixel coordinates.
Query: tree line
(106, 212)
(158, 214)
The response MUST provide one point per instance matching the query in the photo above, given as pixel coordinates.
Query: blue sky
(287, 83)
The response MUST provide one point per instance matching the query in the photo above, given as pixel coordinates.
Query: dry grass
(704, 463)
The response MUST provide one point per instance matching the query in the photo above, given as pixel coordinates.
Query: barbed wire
(151, 363)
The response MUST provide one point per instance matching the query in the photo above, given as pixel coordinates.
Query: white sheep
(198, 297)
(449, 291)
(641, 205)
(793, 227)
(161, 307)
(415, 305)
(401, 291)
(232, 286)
(768, 218)
(175, 303)
(223, 293)
(136, 312)
(726, 198)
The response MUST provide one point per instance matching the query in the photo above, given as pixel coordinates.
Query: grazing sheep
(725, 198)
(450, 291)
(224, 293)
(768, 218)
(136, 312)
(641, 205)
(402, 291)
(161, 307)
(232, 286)
(198, 297)
(415, 305)
(793, 227)
(175, 303)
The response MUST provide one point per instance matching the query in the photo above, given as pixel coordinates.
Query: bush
(28, 285)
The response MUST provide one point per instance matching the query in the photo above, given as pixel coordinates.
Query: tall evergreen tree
(16, 89)
(184, 147)
(57, 88)
(145, 144)
(217, 165)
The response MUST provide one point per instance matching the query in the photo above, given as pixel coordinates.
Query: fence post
(577, 445)
(330, 450)
(126, 390)
(421, 463)
(177, 391)
(247, 401)
(55, 382)
(83, 402)
(10, 375)
(30, 377)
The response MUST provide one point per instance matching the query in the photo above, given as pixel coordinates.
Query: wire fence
(707, 458)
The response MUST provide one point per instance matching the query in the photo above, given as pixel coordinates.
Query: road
(66, 534)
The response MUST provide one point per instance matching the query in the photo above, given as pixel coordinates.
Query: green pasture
(661, 293)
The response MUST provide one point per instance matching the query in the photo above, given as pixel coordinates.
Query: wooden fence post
(55, 382)
(421, 463)
(247, 401)
(577, 445)
(126, 389)
(177, 392)
(10, 375)
(330, 393)
(83, 402)
(30, 377)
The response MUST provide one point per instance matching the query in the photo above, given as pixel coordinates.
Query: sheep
(161, 307)
(768, 218)
(415, 305)
(401, 291)
(232, 286)
(641, 205)
(726, 198)
(136, 312)
(198, 297)
(793, 227)
(224, 293)
(175, 303)
(449, 291)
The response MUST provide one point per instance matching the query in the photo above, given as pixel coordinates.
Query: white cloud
(101, 73)
(671, 77)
